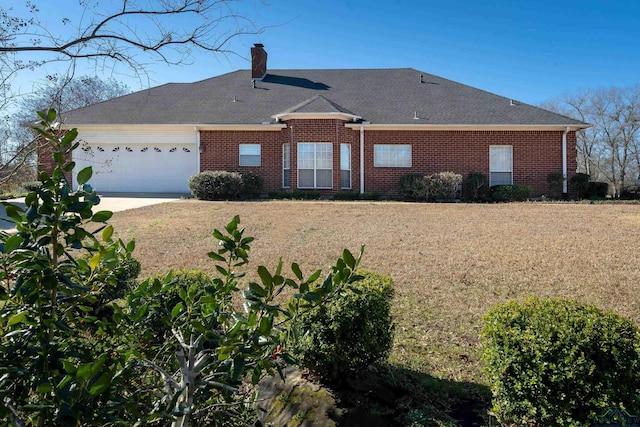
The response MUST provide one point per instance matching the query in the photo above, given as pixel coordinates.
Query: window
(392, 156)
(315, 165)
(286, 165)
(500, 165)
(249, 154)
(345, 166)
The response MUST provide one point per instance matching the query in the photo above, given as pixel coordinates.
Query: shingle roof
(379, 96)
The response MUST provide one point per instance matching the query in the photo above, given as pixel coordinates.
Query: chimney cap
(258, 45)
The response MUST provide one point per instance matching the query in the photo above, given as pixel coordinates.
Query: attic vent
(415, 116)
(421, 78)
(511, 103)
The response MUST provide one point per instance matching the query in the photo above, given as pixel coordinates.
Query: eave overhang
(465, 127)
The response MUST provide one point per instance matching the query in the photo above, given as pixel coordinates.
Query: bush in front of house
(348, 333)
(354, 195)
(597, 190)
(412, 186)
(252, 184)
(579, 185)
(555, 180)
(216, 185)
(475, 187)
(558, 362)
(510, 193)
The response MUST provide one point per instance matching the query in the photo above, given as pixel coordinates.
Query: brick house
(328, 130)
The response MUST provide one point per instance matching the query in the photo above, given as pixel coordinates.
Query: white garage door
(138, 167)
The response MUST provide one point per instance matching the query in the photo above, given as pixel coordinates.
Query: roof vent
(511, 103)
(415, 116)
(421, 78)
(234, 99)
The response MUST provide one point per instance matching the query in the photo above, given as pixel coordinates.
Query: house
(328, 130)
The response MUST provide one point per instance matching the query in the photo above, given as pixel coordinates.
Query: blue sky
(530, 51)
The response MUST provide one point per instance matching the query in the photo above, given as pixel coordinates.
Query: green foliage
(58, 268)
(216, 185)
(412, 186)
(32, 185)
(579, 184)
(557, 362)
(350, 332)
(475, 187)
(439, 186)
(555, 181)
(216, 346)
(252, 184)
(510, 193)
(597, 190)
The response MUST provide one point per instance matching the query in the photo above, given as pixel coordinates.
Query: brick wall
(535, 153)
(46, 162)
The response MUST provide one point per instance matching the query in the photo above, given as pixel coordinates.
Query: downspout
(361, 159)
(198, 148)
(564, 161)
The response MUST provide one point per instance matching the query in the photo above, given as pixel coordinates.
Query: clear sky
(526, 50)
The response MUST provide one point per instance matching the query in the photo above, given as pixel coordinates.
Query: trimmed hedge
(351, 331)
(439, 186)
(252, 184)
(557, 362)
(597, 190)
(475, 187)
(579, 184)
(510, 193)
(216, 185)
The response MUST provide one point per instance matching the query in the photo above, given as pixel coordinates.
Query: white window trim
(377, 164)
(240, 155)
(510, 170)
(315, 165)
(286, 159)
(348, 146)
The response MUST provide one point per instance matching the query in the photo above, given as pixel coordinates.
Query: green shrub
(579, 185)
(252, 184)
(475, 187)
(597, 190)
(216, 185)
(510, 193)
(412, 186)
(557, 362)
(349, 332)
(555, 181)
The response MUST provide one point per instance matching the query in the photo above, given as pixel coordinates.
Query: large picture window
(500, 165)
(315, 165)
(345, 166)
(392, 156)
(249, 154)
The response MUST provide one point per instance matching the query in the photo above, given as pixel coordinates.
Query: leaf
(257, 289)
(349, 259)
(238, 366)
(177, 309)
(69, 166)
(131, 245)
(84, 371)
(12, 243)
(44, 388)
(69, 137)
(101, 216)
(101, 384)
(214, 256)
(95, 260)
(265, 276)
(296, 270)
(107, 233)
(13, 212)
(18, 318)
(84, 175)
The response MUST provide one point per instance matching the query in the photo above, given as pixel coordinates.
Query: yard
(450, 264)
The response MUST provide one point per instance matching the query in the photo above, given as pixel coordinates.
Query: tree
(610, 149)
(133, 33)
(59, 93)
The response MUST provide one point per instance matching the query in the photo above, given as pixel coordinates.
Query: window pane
(500, 158)
(286, 156)
(305, 178)
(324, 178)
(501, 178)
(345, 157)
(306, 156)
(286, 178)
(345, 179)
(249, 154)
(324, 156)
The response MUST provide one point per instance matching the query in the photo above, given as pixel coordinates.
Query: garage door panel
(138, 167)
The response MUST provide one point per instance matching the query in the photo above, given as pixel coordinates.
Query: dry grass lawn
(450, 262)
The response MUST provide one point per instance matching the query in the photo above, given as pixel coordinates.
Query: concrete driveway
(108, 202)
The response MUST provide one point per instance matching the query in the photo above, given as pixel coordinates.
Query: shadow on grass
(395, 396)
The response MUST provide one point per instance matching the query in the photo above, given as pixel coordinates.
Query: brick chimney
(258, 61)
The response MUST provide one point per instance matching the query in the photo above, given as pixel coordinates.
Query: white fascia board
(421, 127)
(152, 128)
(308, 116)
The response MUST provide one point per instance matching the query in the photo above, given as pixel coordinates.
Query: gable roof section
(316, 107)
(377, 96)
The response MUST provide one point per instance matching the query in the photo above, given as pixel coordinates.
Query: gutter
(361, 159)
(564, 161)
